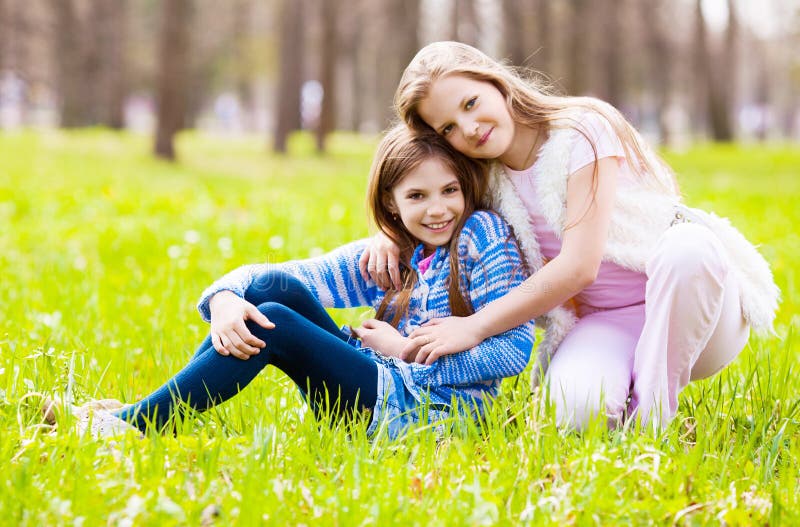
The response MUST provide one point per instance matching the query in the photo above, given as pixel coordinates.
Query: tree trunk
(71, 64)
(613, 47)
(544, 54)
(397, 49)
(514, 24)
(723, 82)
(244, 90)
(577, 77)
(659, 62)
(718, 76)
(292, 53)
(353, 93)
(5, 28)
(700, 66)
(173, 74)
(107, 29)
(329, 53)
(464, 27)
(115, 63)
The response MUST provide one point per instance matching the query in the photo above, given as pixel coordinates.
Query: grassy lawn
(104, 251)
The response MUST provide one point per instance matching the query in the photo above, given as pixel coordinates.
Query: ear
(388, 202)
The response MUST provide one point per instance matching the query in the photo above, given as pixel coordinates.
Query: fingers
(433, 322)
(393, 267)
(434, 355)
(363, 262)
(217, 343)
(368, 323)
(238, 342)
(421, 331)
(380, 272)
(261, 319)
(410, 350)
(424, 352)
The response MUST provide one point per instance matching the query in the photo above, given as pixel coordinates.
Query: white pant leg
(590, 373)
(685, 302)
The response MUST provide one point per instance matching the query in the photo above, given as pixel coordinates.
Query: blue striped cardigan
(490, 266)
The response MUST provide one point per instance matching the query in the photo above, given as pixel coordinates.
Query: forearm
(551, 286)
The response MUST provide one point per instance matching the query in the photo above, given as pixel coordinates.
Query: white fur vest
(640, 215)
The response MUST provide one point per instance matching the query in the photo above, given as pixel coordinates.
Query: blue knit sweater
(490, 266)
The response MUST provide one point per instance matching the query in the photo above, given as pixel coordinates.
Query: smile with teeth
(438, 226)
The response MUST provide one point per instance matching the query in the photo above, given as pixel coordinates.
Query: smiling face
(472, 115)
(430, 203)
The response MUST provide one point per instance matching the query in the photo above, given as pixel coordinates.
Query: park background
(147, 147)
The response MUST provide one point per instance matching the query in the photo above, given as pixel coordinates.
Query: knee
(278, 314)
(688, 251)
(273, 286)
(275, 311)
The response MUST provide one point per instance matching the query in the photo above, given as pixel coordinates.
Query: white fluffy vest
(640, 215)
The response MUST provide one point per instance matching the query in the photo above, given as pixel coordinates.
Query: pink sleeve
(602, 135)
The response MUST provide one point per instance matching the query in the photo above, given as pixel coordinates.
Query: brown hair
(528, 102)
(400, 151)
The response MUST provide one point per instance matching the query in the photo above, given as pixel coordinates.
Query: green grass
(103, 252)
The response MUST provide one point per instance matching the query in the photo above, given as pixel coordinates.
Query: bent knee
(273, 286)
(688, 250)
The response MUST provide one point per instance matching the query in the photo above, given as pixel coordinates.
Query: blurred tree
(5, 27)
(173, 74)
(71, 65)
(292, 60)
(329, 55)
(514, 30)
(242, 18)
(108, 23)
(578, 24)
(349, 106)
(659, 61)
(463, 22)
(612, 47)
(543, 58)
(713, 72)
(398, 46)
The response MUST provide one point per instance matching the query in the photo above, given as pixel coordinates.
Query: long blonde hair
(528, 103)
(400, 151)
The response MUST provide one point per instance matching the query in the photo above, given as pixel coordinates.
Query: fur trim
(758, 294)
(640, 216)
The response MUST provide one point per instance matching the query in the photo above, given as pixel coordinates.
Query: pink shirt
(615, 286)
(425, 263)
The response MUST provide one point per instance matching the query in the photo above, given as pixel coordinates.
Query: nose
(470, 127)
(436, 207)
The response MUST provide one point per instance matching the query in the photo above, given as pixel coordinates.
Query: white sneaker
(99, 423)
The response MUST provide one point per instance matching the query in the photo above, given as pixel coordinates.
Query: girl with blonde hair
(638, 293)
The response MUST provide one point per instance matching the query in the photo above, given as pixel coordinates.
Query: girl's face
(472, 115)
(430, 203)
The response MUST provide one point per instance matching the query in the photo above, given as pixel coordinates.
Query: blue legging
(305, 344)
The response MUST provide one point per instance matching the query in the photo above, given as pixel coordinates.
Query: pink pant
(638, 358)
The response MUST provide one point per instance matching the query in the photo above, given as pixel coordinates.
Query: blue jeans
(305, 344)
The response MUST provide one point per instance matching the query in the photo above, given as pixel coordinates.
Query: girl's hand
(229, 334)
(381, 336)
(381, 262)
(439, 337)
